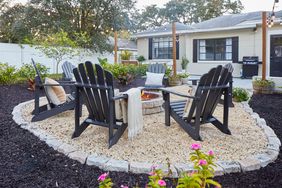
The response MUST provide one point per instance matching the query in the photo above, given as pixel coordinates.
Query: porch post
(174, 48)
(115, 48)
(264, 25)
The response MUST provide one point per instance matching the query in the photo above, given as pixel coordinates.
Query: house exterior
(218, 41)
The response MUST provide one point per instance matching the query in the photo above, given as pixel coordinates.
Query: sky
(250, 5)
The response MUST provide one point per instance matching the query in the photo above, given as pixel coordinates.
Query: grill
(250, 66)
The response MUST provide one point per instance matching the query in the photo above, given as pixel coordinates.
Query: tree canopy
(97, 19)
(38, 18)
(186, 11)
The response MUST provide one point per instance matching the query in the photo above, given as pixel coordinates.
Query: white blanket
(130, 111)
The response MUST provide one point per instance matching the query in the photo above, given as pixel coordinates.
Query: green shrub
(27, 71)
(8, 74)
(141, 58)
(168, 71)
(183, 75)
(240, 94)
(55, 76)
(263, 83)
(184, 63)
(125, 73)
(102, 61)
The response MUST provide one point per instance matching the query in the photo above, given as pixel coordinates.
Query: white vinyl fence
(17, 55)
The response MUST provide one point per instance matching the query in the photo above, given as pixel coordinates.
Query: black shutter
(195, 51)
(177, 47)
(235, 49)
(150, 48)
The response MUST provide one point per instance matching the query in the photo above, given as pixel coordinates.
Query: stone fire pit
(151, 102)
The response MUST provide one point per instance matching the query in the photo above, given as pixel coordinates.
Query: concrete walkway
(243, 83)
(237, 82)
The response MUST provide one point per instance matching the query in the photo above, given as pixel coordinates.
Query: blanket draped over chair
(130, 111)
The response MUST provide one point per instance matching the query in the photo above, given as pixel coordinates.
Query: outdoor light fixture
(271, 18)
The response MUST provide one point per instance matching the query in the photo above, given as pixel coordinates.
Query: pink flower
(162, 183)
(211, 153)
(202, 162)
(103, 177)
(195, 146)
(124, 186)
(152, 173)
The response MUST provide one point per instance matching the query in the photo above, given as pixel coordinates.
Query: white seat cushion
(154, 79)
(56, 94)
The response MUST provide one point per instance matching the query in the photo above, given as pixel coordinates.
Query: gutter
(247, 26)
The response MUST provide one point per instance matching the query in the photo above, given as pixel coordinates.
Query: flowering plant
(156, 178)
(204, 170)
(105, 181)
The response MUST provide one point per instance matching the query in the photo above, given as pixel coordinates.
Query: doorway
(276, 55)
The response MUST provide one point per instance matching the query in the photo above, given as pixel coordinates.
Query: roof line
(248, 26)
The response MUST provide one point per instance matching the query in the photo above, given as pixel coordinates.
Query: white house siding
(15, 55)
(250, 44)
(142, 47)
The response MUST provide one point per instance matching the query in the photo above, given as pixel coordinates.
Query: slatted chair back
(229, 67)
(39, 82)
(209, 91)
(68, 70)
(95, 98)
(156, 68)
(38, 78)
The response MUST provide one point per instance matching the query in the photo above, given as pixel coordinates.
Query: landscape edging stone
(253, 162)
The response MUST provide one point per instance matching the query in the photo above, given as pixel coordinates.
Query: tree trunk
(57, 68)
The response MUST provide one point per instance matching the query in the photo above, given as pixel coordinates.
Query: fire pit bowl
(151, 102)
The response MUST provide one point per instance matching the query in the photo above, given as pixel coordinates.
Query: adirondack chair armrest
(63, 84)
(92, 86)
(214, 87)
(178, 94)
(123, 96)
(66, 82)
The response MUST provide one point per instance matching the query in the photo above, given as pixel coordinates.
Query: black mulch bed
(25, 161)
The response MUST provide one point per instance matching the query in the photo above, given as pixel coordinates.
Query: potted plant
(184, 63)
(184, 77)
(141, 59)
(125, 55)
(263, 86)
(174, 80)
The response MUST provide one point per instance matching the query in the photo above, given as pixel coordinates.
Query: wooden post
(115, 48)
(174, 48)
(264, 25)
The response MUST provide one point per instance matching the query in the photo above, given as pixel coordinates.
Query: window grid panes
(215, 49)
(162, 48)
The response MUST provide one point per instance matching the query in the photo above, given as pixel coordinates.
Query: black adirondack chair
(50, 109)
(96, 89)
(211, 87)
(67, 68)
(230, 69)
(158, 68)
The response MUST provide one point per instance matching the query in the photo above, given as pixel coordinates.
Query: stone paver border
(252, 162)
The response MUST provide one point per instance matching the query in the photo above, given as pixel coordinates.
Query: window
(215, 49)
(162, 48)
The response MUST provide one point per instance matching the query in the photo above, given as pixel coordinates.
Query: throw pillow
(155, 79)
(56, 94)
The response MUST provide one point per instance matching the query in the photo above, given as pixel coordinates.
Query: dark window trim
(214, 44)
(169, 54)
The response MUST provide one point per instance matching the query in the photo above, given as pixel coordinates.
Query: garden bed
(29, 162)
